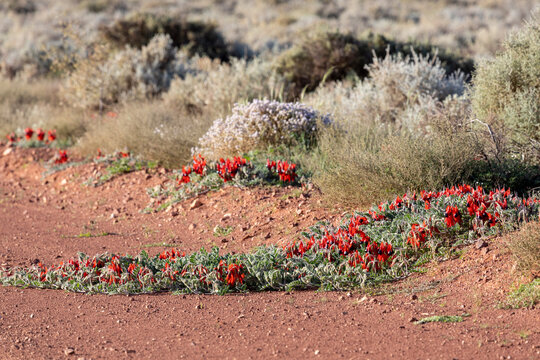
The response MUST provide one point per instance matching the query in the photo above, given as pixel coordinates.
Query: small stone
(7, 151)
(226, 217)
(484, 251)
(413, 319)
(192, 227)
(363, 299)
(69, 351)
(317, 352)
(195, 204)
(480, 244)
(63, 182)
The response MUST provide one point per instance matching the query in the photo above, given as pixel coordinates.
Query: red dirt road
(47, 219)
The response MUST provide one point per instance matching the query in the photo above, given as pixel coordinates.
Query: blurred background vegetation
(420, 94)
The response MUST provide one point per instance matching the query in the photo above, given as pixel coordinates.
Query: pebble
(195, 204)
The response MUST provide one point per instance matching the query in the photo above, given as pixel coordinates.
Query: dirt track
(47, 219)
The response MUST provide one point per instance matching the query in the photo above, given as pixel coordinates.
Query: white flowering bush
(260, 124)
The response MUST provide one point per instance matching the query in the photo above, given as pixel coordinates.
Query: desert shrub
(260, 124)
(404, 127)
(525, 247)
(306, 64)
(507, 91)
(21, 7)
(126, 75)
(146, 129)
(216, 87)
(194, 37)
(398, 90)
(335, 55)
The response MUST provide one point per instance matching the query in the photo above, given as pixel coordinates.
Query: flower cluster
(382, 243)
(452, 216)
(286, 171)
(349, 242)
(260, 124)
(418, 235)
(61, 157)
(227, 169)
(29, 134)
(198, 167)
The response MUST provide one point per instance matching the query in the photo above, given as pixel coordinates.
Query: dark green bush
(197, 38)
(306, 64)
(335, 55)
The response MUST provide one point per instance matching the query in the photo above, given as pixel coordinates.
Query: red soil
(41, 219)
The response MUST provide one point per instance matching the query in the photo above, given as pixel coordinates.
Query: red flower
(11, 137)
(199, 165)
(62, 157)
(185, 175)
(418, 235)
(40, 134)
(52, 135)
(452, 216)
(28, 132)
(235, 274)
(228, 169)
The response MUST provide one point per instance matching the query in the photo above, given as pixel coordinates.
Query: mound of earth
(49, 218)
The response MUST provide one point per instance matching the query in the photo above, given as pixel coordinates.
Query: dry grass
(525, 247)
(148, 129)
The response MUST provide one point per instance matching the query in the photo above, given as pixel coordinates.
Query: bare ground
(50, 219)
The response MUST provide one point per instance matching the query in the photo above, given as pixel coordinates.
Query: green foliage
(440, 318)
(195, 37)
(506, 91)
(220, 231)
(119, 166)
(525, 296)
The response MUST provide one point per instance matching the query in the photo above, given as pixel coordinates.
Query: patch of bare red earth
(41, 218)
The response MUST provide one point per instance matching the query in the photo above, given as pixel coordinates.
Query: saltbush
(125, 75)
(215, 87)
(260, 124)
(507, 91)
(196, 38)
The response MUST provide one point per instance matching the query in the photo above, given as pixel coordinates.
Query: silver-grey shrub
(126, 75)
